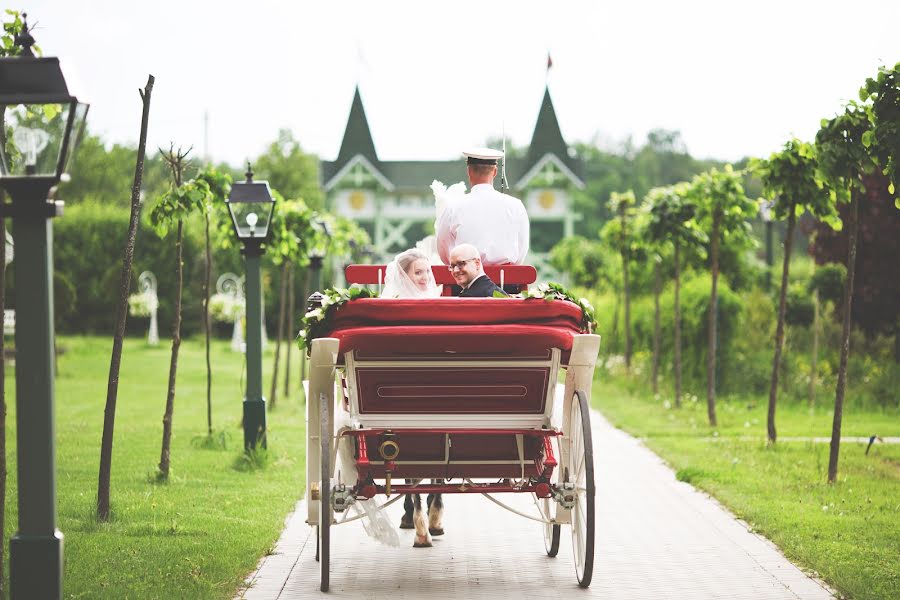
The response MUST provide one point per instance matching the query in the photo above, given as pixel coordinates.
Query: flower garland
(318, 321)
(554, 291)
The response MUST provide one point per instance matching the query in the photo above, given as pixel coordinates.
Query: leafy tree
(292, 232)
(724, 212)
(182, 199)
(290, 170)
(619, 233)
(219, 185)
(843, 160)
(884, 114)
(672, 212)
(789, 179)
(584, 260)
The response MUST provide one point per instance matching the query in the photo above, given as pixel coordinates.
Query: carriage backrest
(520, 275)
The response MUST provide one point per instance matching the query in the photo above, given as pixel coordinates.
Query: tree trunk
(845, 342)
(206, 327)
(2, 396)
(656, 326)
(164, 457)
(627, 311)
(615, 325)
(713, 323)
(677, 325)
(280, 332)
(779, 329)
(288, 330)
(814, 359)
(112, 386)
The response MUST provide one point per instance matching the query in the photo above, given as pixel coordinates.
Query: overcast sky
(736, 78)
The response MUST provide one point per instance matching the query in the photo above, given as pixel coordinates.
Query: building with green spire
(393, 201)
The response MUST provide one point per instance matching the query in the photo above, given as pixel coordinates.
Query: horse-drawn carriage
(454, 396)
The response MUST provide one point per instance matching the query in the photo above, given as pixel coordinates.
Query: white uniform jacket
(494, 223)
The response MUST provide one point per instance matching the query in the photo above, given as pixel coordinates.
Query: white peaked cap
(482, 155)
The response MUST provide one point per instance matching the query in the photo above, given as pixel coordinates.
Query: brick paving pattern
(656, 538)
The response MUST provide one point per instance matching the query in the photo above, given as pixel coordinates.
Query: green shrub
(799, 308)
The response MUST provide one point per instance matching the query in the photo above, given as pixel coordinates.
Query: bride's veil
(398, 284)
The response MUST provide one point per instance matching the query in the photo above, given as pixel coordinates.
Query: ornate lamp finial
(249, 173)
(24, 39)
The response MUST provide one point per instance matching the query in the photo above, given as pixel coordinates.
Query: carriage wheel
(551, 533)
(581, 471)
(325, 516)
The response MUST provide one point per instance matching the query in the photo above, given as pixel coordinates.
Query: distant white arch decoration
(148, 286)
(231, 287)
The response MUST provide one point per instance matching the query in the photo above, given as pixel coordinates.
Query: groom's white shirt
(494, 223)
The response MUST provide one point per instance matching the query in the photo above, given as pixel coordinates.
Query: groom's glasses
(458, 265)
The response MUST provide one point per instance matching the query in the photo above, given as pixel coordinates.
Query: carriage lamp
(40, 121)
(251, 205)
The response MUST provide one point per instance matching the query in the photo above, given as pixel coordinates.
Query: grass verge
(847, 533)
(200, 533)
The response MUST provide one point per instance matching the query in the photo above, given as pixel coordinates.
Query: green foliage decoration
(550, 292)
(319, 321)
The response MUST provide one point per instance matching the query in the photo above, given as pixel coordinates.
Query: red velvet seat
(510, 328)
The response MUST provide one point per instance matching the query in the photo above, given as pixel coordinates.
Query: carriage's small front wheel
(551, 532)
(581, 473)
(325, 516)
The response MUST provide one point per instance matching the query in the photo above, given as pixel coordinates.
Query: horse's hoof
(406, 522)
(436, 530)
(422, 545)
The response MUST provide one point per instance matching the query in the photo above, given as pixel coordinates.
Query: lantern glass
(36, 140)
(250, 204)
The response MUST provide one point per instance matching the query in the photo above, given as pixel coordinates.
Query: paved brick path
(656, 538)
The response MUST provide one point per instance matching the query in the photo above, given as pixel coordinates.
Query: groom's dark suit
(482, 287)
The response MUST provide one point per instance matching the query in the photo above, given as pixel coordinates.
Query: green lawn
(848, 533)
(198, 535)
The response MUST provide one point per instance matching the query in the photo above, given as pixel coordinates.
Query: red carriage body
(459, 390)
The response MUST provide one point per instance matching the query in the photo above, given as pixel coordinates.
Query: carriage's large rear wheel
(581, 473)
(551, 532)
(325, 516)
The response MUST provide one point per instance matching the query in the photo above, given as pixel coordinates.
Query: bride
(409, 275)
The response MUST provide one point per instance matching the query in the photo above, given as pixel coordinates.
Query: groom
(465, 266)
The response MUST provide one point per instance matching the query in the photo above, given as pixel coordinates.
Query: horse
(413, 517)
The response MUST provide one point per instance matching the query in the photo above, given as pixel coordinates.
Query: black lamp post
(251, 204)
(39, 123)
(318, 251)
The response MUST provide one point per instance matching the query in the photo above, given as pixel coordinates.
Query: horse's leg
(422, 539)
(435, 513)
(406, 522)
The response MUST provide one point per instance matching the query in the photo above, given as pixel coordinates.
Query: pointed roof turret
(547, 140)
(357, 137)
(547, 137)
